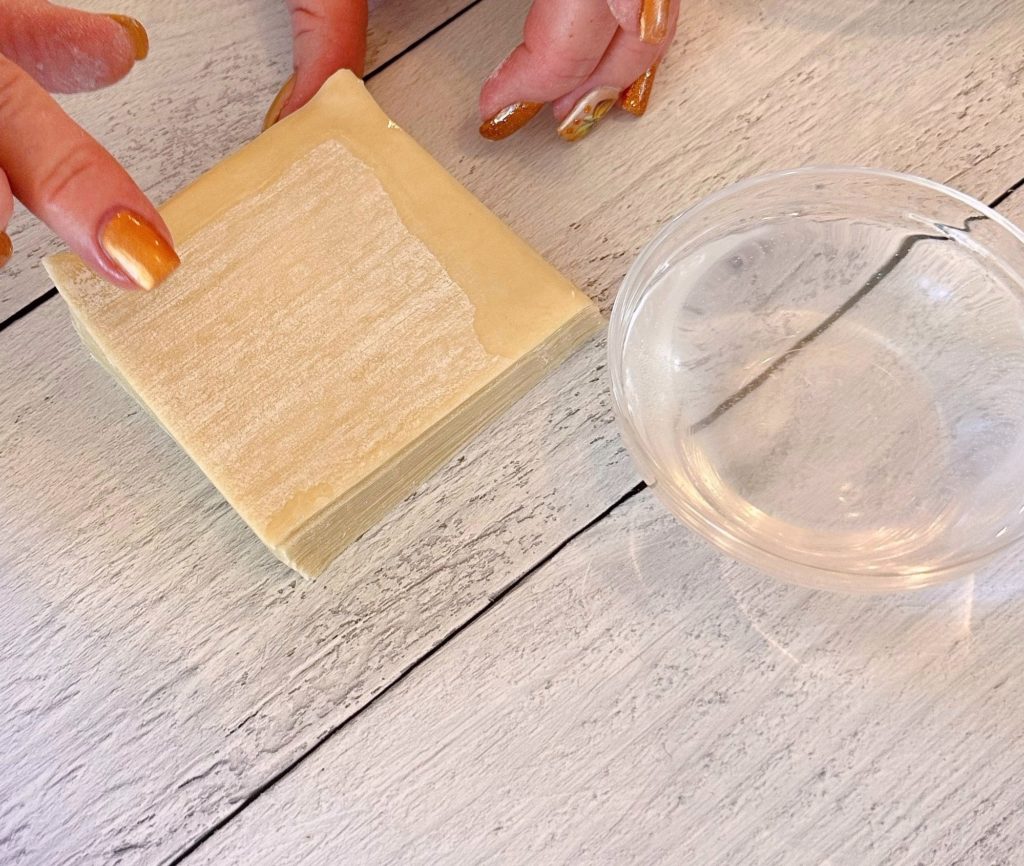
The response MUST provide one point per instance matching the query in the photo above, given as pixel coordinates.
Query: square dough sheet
(345, 317)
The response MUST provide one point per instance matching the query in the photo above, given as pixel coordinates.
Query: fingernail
(6, 249)
(638, 94)
(654, 21)
(587, 112)
(138, 249)
(136, 32)
(274, 112)
(510, 119)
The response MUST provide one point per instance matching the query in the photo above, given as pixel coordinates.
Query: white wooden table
(528, 662)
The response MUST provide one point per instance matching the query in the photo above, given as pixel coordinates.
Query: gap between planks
(52, 292)
(518, 582)
(415, 665)
(438, 647)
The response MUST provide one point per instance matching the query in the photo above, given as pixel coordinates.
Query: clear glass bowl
(822, 372)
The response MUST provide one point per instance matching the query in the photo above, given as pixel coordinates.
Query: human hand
(582, 56)
(55, 168)
(328, 35)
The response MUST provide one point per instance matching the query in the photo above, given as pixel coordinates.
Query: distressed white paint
(749, 87)
(642, 699)
(1013, 208)
(211, 74)
(158, 663)
(159, 666)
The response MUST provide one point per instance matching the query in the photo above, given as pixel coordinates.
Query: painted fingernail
(136, 32)
(510, 119)
(6, 249)
(138, 249)
(587, 112)
(654, 21)
(638, 94)
(274, 112)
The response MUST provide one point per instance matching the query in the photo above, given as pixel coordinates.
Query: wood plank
(1013, 208)
(196, 667)
(158, 664)
(642, 699)
(747, 89)
(212, 72)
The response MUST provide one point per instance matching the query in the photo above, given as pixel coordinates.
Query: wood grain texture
(212, 72)
(745, 90)
(160, 666)
(642, 699)
(1013, 208)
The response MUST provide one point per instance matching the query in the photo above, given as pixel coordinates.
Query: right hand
(55, 168)
(582, 57)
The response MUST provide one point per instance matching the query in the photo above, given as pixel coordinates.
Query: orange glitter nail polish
(509, 120)
(638, 94)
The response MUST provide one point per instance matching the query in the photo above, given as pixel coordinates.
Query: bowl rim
(785, 568)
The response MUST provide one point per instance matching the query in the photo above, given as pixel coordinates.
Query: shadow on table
(920, 641)
(845, 633)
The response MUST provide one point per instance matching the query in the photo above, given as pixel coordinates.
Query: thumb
(328, 35)
(66, 50)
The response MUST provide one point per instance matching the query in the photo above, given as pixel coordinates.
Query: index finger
(61, 174)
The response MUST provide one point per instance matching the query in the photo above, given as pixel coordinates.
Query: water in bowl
(835, 394)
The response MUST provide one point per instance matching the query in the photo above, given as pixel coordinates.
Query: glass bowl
(822, 372)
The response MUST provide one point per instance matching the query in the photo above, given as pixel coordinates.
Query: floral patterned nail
(587, 112)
